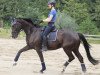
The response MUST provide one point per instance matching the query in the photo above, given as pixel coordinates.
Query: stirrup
(44, 48)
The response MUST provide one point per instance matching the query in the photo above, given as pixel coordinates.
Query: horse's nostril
(12, 36)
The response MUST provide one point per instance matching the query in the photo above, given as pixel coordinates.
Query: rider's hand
(40, 21)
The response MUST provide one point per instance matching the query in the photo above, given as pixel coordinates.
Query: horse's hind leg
(80, 58)
(71, 57)
(19, 52)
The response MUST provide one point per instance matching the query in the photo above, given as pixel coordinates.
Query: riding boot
(44, 46)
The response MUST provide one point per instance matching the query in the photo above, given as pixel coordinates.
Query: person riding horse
(66, 39)
(50, 20)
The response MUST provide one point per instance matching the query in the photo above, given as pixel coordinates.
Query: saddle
(51, 31)
(52, 36)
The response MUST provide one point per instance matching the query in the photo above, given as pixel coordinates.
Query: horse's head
(16, 28)
(22, 23)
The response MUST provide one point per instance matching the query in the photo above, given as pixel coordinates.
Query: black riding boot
(44, 44)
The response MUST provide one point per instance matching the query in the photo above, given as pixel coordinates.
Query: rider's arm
(48, 19)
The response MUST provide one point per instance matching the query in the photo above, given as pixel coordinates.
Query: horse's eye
(12, 25)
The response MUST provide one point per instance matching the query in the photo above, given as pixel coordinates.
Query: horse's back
(68, 34)
(68, 37)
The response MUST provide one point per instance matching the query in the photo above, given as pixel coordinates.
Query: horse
(66, 39)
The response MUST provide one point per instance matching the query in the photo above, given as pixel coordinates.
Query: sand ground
(29, 63)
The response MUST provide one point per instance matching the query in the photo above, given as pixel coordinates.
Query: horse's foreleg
(19, 52)
(42, 61)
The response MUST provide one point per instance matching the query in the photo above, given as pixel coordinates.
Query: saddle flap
(54, 30)
(52, 36)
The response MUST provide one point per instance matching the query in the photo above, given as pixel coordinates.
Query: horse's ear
(13, 21)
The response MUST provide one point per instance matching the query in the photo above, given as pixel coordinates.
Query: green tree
(79, 10)
(88, 27)
(65, 21)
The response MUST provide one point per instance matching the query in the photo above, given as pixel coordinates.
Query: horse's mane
(29, 20)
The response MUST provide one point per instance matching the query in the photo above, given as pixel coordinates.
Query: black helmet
(52, 2)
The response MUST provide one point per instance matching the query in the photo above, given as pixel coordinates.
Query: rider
(50, 20)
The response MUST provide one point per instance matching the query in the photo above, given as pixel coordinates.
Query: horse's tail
(87, 48)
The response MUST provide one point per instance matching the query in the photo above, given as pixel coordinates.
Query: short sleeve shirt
(53, 12)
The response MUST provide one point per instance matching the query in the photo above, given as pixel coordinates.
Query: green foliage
(22, 8)
(65, 21)
(96, 15)
(79, 10)
(88, 27)
(76, 10)
(6, 33)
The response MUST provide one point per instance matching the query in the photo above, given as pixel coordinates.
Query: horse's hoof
(64, 68)
(84, 71)
(15, 64)
(41, 71)
(62, 71)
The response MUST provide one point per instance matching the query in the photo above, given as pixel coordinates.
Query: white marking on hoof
(63, 69)
(14, 64)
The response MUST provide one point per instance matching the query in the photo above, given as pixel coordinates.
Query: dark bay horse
(66, 39)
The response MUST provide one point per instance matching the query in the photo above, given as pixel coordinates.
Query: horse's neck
(27, 29)
(30, 30)
(35, 35)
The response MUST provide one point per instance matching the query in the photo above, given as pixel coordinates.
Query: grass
(6, 33)
(94, 41)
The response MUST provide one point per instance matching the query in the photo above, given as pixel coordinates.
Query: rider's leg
(45, 33)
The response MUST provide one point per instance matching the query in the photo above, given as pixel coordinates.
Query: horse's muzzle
(14, 35)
